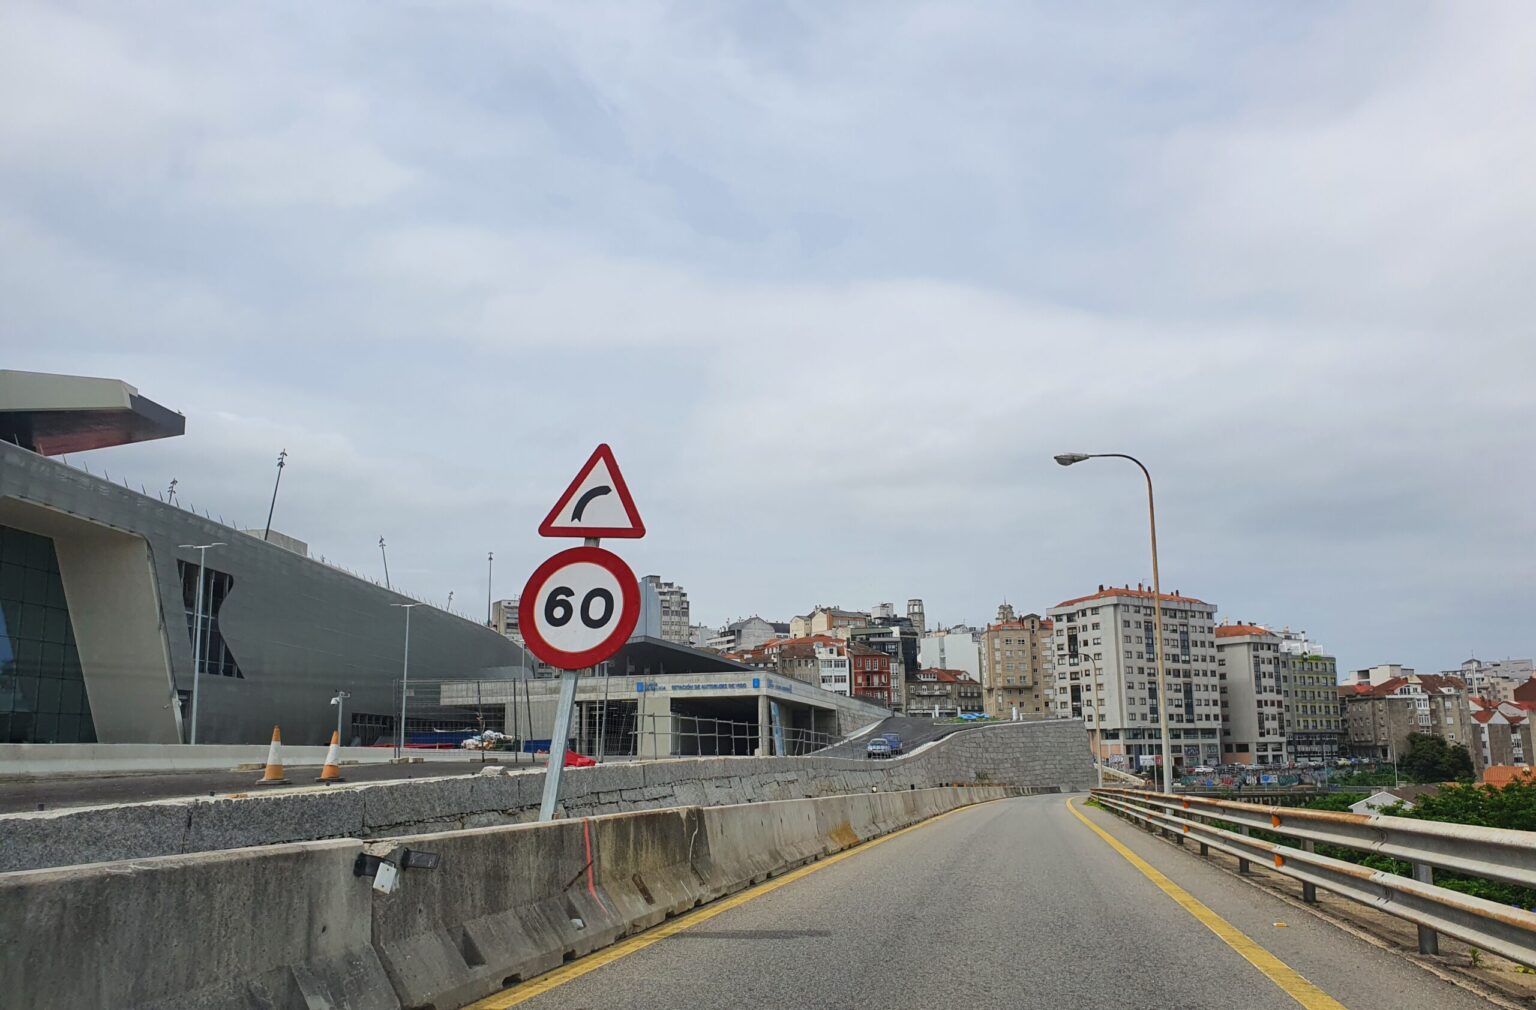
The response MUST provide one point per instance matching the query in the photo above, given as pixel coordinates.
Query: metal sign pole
(557, 741)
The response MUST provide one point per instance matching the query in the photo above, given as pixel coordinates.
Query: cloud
(836, 282)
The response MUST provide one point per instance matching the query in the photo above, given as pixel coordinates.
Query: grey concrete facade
(298, 629)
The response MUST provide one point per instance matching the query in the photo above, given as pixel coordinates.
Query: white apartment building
(673, 600)
(1249, 658)
(1105, 672)
(832, 663)
(957, 648)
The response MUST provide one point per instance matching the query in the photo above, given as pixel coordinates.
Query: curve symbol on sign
(586, 499)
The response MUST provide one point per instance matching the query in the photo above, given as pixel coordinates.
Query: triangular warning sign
(597, 504)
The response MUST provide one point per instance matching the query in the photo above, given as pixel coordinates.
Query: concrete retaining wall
(290, 927)
(36, 760)
(1026, 755)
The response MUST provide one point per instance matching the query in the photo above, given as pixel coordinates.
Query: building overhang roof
(56, 414)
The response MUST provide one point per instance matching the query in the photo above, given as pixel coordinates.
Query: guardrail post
(1429, 940)
(1242, 864)
(1308, 889)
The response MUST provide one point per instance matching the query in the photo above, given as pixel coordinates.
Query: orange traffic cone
(274, 775)
(332, 770)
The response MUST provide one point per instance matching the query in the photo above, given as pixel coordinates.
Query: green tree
(1432, 759)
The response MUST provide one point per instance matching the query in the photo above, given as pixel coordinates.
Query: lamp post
(490, 560)
(197, 625)
(281, 462)
(338, 701)
(1067, 459)
(385, 556)
(405, 671)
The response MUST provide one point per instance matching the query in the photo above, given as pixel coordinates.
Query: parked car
(894, 741)
(879, 747)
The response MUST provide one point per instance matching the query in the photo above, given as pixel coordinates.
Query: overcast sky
(834, 280)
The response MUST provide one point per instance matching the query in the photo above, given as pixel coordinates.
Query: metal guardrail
(1495, 853)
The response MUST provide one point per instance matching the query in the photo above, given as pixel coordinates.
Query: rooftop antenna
(170, 492)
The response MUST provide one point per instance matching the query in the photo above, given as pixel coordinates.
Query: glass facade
(217, 660)
(42, 691)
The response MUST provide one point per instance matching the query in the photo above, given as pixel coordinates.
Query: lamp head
(1068, 458)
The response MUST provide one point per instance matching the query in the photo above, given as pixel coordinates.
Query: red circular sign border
(629, 614)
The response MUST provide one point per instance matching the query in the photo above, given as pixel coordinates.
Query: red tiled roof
(1503, 775)
(1240, 630)
(948, 676)
(1437, 683)
(1145, 594)
(1382, 690)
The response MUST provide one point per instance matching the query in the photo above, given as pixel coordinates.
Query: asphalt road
(1009, 904)
(58, 792)
(912, 730)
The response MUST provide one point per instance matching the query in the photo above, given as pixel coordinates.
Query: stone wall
(1030, 756)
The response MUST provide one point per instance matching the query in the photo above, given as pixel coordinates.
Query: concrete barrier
(291, 927)
(1028, 755)
(280, 927)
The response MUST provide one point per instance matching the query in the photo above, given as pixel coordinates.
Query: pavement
(913, 730)
(59, 792)
(1010, 904)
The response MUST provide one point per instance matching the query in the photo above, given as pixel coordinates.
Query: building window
(216, 657)
(42, 689)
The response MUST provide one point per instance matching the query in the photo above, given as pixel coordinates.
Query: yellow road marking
(525, 991)
(1278, 972)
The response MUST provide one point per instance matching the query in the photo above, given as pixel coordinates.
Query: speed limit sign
(579, 607)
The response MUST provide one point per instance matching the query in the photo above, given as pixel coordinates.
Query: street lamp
(490, 561)
(385, 556)
(338, 701)
(197, 624)
(282, 459)
(1067, 459)
(405, 671)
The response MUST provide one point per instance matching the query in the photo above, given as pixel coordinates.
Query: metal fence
(1491, 853)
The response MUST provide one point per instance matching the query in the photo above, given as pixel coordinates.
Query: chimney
(1101, 587)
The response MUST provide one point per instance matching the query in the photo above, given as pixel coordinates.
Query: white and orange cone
(332, 770)
(274, 775)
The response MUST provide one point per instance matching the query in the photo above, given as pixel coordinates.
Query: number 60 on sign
(579, 607)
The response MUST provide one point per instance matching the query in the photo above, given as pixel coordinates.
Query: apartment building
(1249, 660)
(898, 639)
(1501, 733)
(870, 670)
(1437, 705)
(1106, 674)
(1376, 721)
(673, 608)
(823, 620)
(1014, 656)
(943, 693)
(1309, 717)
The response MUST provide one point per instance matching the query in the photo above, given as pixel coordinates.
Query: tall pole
(281, 457)
(490, 559)
(197, 627)
(385, 556)
(405, 671)
(1067, 459)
